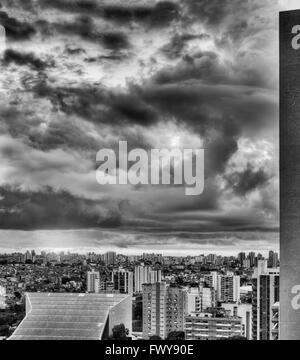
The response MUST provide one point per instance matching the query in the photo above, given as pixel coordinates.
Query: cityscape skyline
(177, 255)
(194, 297)
(91, 252)
(93, 239)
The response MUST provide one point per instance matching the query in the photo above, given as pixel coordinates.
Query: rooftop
(65, 316)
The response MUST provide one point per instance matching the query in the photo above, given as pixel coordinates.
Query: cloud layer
(78, 76)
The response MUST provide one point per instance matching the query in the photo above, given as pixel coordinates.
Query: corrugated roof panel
(66, 316)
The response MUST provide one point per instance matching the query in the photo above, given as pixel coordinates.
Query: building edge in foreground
(289, 175)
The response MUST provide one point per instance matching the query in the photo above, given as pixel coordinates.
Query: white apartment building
(206, 327)
(164, 309)
(244, 311)
(144, 274)
(199, 299)
(93, 281)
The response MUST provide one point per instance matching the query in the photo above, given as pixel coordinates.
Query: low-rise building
(206, 327)
(71, 316)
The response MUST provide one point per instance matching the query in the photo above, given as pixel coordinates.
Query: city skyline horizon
(134, 242)
(65, 252)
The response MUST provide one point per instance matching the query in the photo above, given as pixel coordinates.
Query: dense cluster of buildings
(204, 297)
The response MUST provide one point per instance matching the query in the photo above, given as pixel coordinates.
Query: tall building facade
(289, 177)
(153, 257)
(265, 295)
(251, 257)
(228, 288)
(212, 279)
(123, 281)
(244, 311)
(273, 260)
(93, 281)
(109, 258)
(164, 309)
(275, 321)
(144, 274)
(241, 257)
(2, 297)
(200, 298)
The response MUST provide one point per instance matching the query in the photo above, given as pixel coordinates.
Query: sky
(79, 76)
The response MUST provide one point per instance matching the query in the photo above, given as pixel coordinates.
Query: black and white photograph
(149, 167)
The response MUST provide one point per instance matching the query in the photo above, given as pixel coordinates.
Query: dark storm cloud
(58, 133)
(78, 6)
(47, 209)
(233, 21)
(84, 27)
(133, 109)
(28, 59)
(115, 40)
(15, 29)
(194, 223)
(214, 13)
(28, 5)
(219, 114)
(244, 182)
(74, 50)
(208, 67)
(211, 11)
(114, 56)
(178, 43)
(217, 96)
(96, 104)
(162, 14)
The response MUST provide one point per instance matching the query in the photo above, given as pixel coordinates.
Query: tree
(18, 295)
(119, 332)
(155, 337)
(238, 337)
(176, 335)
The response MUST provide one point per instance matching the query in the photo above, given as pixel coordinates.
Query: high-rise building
(199, 299)
(28, 256)
(275, 321)
(206, 327)
(211, 258)
(199, 259)
(212, 279)
(107, 286)
(244, 311)
(123, 281)
(2, 297)
(109, 258)
(265, 295)
(241, 257)
(228, 289)
(93, 281)
(145, 275)
(164, 309)
(251, 257)
(273, 259)
(152, 257)
(246, 263)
